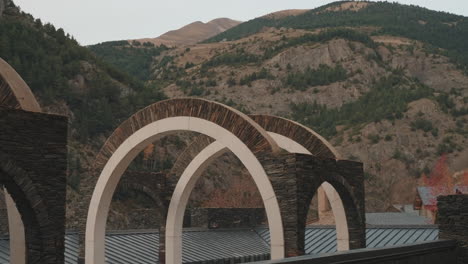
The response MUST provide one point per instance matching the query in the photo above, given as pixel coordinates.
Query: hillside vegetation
(385, 83)
(391, 95)
(436, 29)
(69, 79)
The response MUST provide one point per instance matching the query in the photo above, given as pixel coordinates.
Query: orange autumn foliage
(442, 181)
(440, 177)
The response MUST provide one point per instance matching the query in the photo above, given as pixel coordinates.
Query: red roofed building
(426, 199)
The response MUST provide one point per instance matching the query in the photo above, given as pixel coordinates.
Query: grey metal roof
(429, 194)
(320, 240)
(379, 219)
(141, 247)
(197, 246)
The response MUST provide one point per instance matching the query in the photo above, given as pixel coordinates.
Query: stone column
(452, 219)
(33, 168)
(296, 178)
(293, 193)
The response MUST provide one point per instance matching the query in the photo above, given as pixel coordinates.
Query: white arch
(192, 173)
(126, 152)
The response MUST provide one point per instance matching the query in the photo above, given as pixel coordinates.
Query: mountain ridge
(192, 33)
(394, 102)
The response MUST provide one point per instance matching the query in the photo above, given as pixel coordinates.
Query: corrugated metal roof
(141, 247)
(379, 219)
(429, 194)
(323, 239)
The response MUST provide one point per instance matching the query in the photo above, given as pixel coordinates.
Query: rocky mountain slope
(193, 33)
(70, 80)
(388, 90)
(394, 102)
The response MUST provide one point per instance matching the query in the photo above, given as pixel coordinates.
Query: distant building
(426, 199)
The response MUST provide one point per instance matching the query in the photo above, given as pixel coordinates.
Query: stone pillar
(33, 168)
(3, 214)
(452, 219)
(293, 194)
(296, 178)
(353, 197)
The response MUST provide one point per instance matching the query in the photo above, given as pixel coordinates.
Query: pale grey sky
(94, 21)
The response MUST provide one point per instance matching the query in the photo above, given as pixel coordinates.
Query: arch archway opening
(296, 138)
(16, 94)
(326, 197)
(139, 203)
(208, 154)
(126, 152)
(232, 208)
(33, 217)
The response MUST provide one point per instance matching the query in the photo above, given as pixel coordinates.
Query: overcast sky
(94, 21)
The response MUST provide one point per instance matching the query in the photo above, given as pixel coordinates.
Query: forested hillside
(386, 83)
(435, 29)
(69, 79)
(134, 58)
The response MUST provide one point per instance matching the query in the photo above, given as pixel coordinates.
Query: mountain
(193, 33)
(432, 28)
(70, 80)
(386, 83)
(285, 13)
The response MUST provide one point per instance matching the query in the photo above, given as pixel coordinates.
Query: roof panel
(141, 248)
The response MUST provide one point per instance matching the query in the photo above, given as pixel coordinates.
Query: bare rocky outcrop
(400, 154)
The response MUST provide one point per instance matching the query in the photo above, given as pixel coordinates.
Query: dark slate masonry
(452, 219)
(33, 167)
(296, 178)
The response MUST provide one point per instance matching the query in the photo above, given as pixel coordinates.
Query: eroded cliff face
(395, 152)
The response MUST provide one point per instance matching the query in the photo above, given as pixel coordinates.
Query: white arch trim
(342, 234)
(192, 173)
(126, 152)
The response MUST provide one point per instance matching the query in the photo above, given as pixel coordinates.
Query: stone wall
(296, 178)
(33, 167)
(452, 219)
(3, 215)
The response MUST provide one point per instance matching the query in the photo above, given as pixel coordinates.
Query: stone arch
(16, 94)
(350, 197)
(304, 136)
(33, 212)
(294, 138)
(156, 195)
(236, 131)
(297, 138)
(141, 188)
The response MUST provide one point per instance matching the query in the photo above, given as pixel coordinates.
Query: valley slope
(388, 90)
(394, 96)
